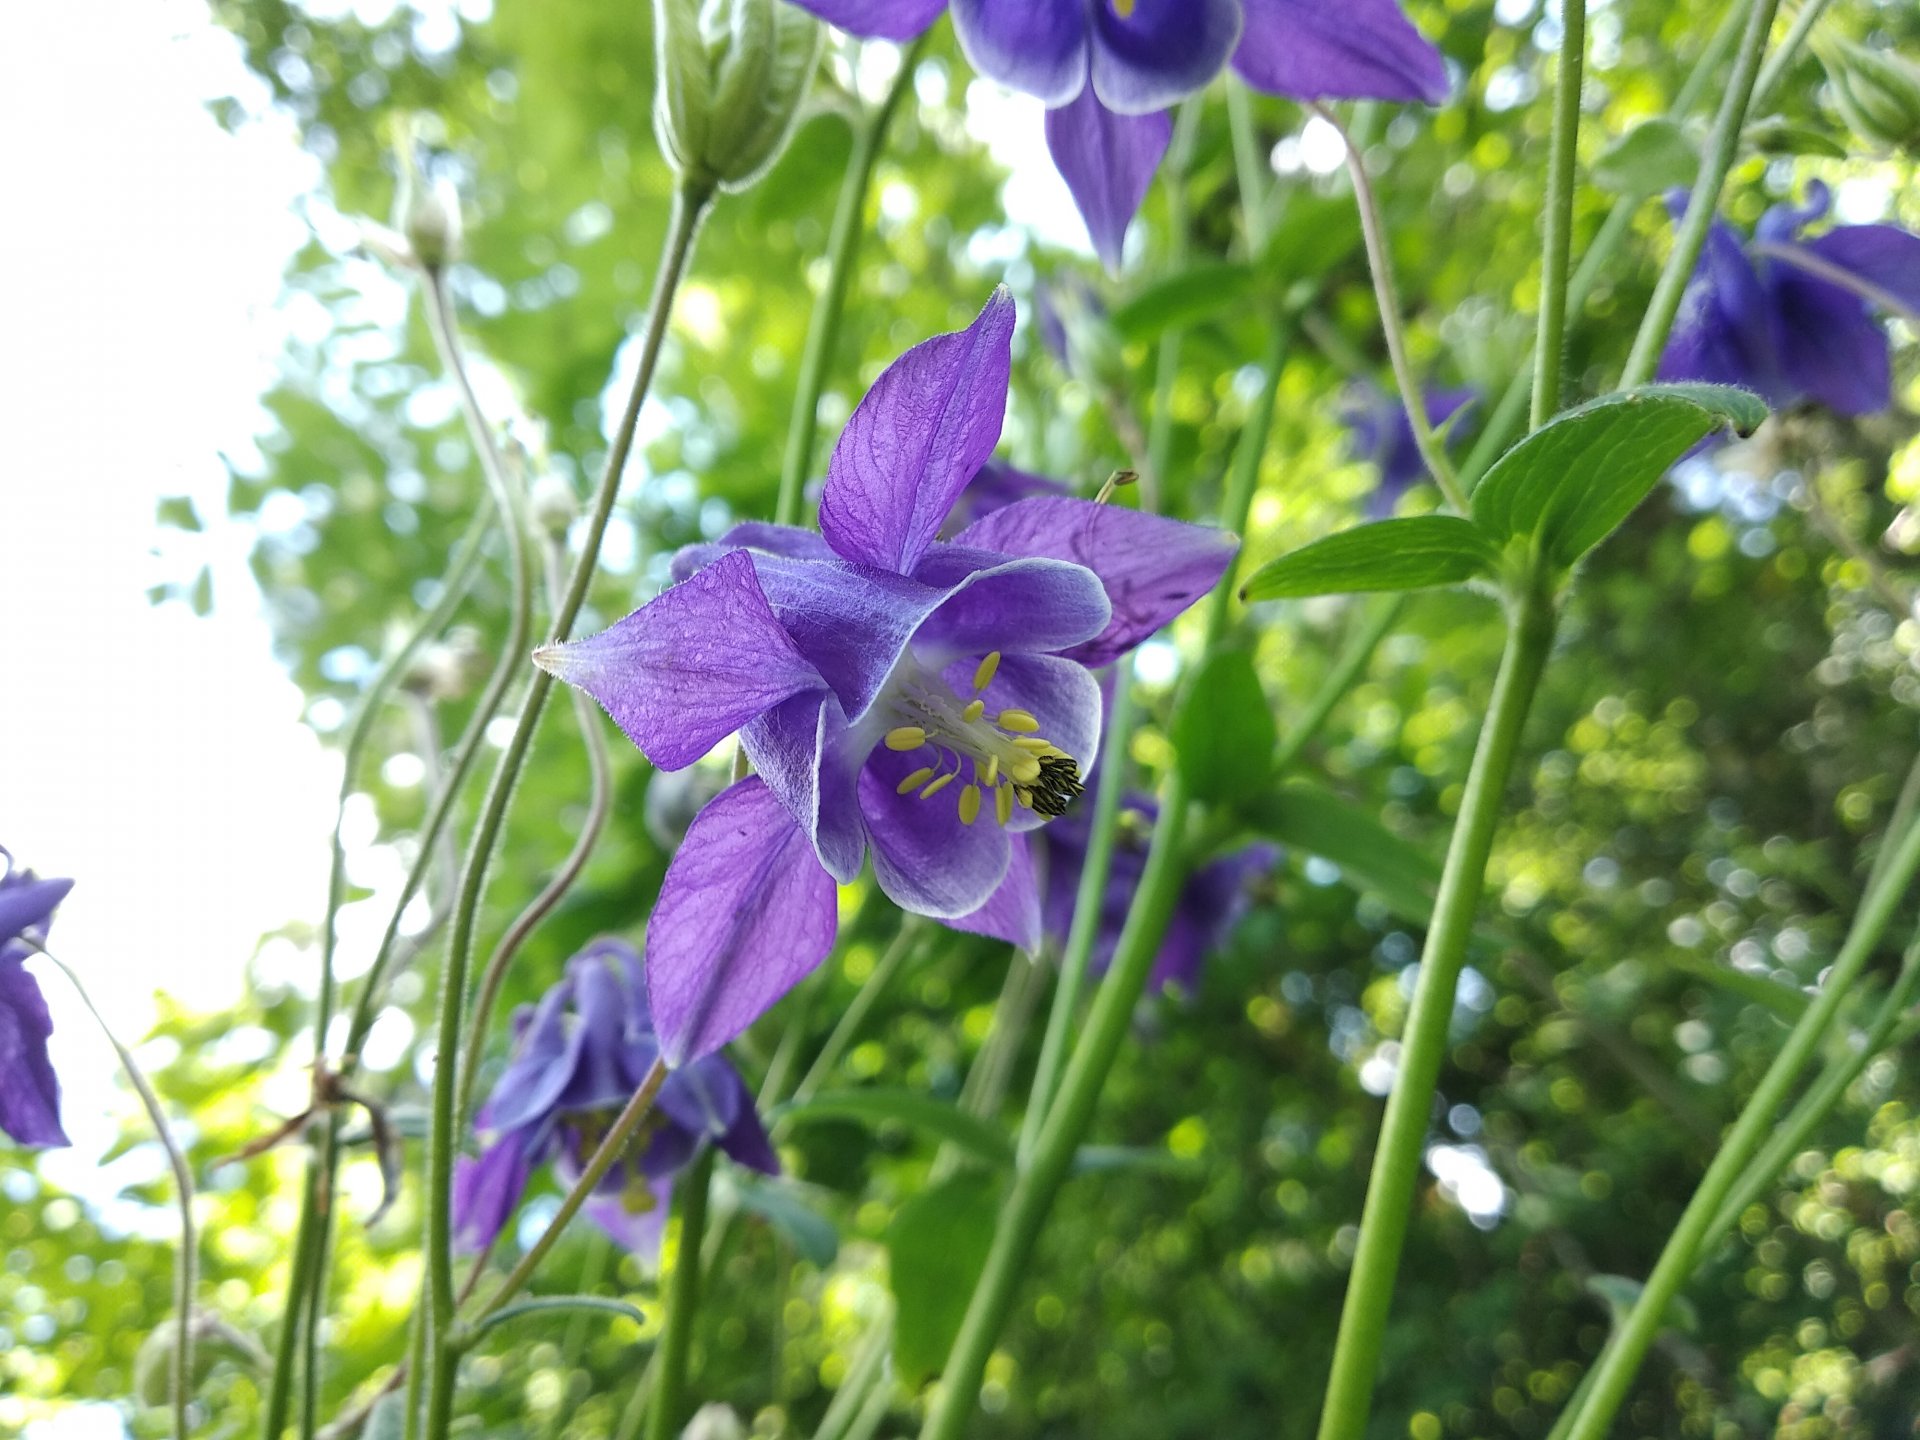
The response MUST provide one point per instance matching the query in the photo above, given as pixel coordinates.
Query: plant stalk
(683, 1299)
(1557, 241)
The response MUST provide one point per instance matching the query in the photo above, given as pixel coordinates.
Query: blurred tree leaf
(1224, 731)
(936, 1246)
(934, 1118)
(1652, 158)
(1314, 820)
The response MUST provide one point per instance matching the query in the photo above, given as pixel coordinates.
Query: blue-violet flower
(29, 1090)
(1380, 432)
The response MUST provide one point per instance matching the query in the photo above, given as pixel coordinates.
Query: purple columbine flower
(1793, 318)
(1380, 432)
(578, 1056)
(1108, 70)
(919, 701)
(29, 1090)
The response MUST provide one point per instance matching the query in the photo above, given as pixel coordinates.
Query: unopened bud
(449, 669)
(429, 218)
(714, 1422)
(1876, 92)
(732, 75)
(553, 504)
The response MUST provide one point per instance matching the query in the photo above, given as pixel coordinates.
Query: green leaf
(1409, 554)
(936, 1246)
(1183, 299)
(1620, 1294)
(1224, 732)
(1136, 1159)
(910, 1108)
(1649, 159)
(782, 1204)
(1776, 135)
(1785, 1001)
(1571, 483)
(178, 513)
(1303, 816)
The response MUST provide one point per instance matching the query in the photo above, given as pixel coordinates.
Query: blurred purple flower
(994, 487)
(29, 1090)
(917, 700)
(1792, 318)
(578, 1057)
(1380, 432)
(1109, 70)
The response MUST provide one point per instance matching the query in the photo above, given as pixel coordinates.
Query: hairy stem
(1557, 239)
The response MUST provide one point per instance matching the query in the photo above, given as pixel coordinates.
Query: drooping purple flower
(1109, 70)
(578, 1057)
(29, 1090)
(914, 700)
(1380, 432)
(1793, 318)
(996, 486)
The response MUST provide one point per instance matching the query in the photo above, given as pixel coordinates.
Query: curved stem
(1620, 1360)
(1782, 59)
(690, 204)
(823, 327)
(1403, 1131)
(683, 1298)
(543, 1304)
(1722, 145)
(1557, 241)
(180, 1383)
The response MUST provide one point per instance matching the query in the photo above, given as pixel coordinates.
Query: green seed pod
(1876, 92)
(732, 75)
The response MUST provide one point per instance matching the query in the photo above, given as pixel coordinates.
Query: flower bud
(732, 75)
(1876, 92)
(427, 214)
(714, 1422)
(553, 504)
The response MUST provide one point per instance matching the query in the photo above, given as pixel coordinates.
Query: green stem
(1702, 204)
(306, 1238)
(1627, 1347)
(690, 203)
(1252, 175)
(1403, 1133)
(543, 1304)
(1782, 59)
(823, 328)
(1088, 910)
(1557, 242)
(1186, 126)
(683, 1299)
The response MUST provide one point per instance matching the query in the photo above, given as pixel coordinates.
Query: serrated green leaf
(1224, 733)
(1409, 554)
(936, 1246)
(910, 1108)
(1648, 160)
(1571, 483)
(1308, 818)
(1183, 299)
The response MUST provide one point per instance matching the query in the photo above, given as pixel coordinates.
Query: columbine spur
(29, 1090)
(917, 700)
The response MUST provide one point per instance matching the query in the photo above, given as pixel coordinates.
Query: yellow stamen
(1025, 772)
(1033, 743)
(940, 784)
(984, 672)
(975, 709)
(969, 804)
(1123, 8)
(1017, 720)
(906, 737)
(1003, 803)
(992, 774)
(915, 780)
(1025, 797)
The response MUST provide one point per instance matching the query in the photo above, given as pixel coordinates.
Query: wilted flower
(1381, 432)
(578, 1057)
(1109, 70)
(917, 700)
(29, 1090)
(1793, 318)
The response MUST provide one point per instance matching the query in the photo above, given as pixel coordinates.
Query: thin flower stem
(1088, 911)
(1340, 679)
(1186, 126)
(683, 1299)
(306, 1239)
(185, 1269)
(1782, 59)
(1627, 1347)
(823, 328)
(1380, 262)
(1556, 246)
(1253, 176)
(1722, 145)
(1403, 1132)
(690, 203)
(903, 944)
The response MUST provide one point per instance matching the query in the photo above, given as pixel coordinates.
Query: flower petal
(1107, 160)
(1038, 47)
(1152, 568)
(1028, 603)
(1012, 912)
(764, 536)
(638, 1232)
(1062, 696)
(599, 1081)
(811, 762)
(744, 913)
(1724, 333)
(918, 436)
(924, 858)
(1884, 256)
(543, 1065)
(691, 666)
(877, 19)
(1355, 50)
(26, 904)
(485, 1190)
(1831, 347)
(29, 1090)
(1156, 56)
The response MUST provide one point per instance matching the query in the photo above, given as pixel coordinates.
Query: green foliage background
(1724, 733)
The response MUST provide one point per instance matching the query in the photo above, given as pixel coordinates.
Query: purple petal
(600, 1079)
(999, 485)
(1355, 50)
(486, 1189)
(544, 1060)
(1159, 54)
(1012, 912)
(1038, 47)
(877, 19)
(924, 858)
(1724, 332)
(1830, 346)
(691, 666)
(1061, 695)
(637, 1231)
(1884, 256)
(1210, 905)
(744, 913)
(788, 540)
(1030, 603)
(1782, 224)
(713, 1100)
(29, 1090)
(920, 434)
(1152, 568)
(1107, 160)
(811, 762)
(27, 904)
